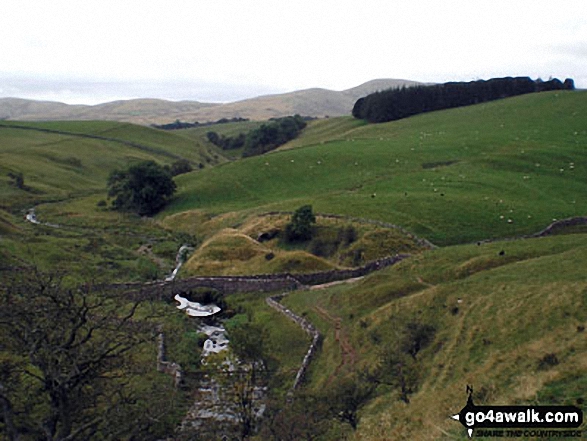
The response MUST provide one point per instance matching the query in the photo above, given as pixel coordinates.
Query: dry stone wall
(261, 283)
(173, 369)
(322, 277)
(420, 241)
(308, 327)
(561, 224)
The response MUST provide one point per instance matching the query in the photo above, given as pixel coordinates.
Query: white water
(195, 309)
(179, 260)
(216, 342)
(32, 218)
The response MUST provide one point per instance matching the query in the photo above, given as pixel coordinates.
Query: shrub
(17, 179)
(180, 167)
(147, 269)
(323, 247)
(417, 337)
(548, 361)
(347, 235)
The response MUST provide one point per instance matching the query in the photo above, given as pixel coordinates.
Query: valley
(479, 301)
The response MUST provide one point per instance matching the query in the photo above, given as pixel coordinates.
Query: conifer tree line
(398, 103)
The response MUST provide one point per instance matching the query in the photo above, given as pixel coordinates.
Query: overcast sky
(91, 51)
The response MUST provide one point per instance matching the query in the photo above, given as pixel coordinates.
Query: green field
(63, 159)
(65, 169)
(453, 176)
(507, 316)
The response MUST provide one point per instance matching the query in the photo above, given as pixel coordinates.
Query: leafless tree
(66, 360)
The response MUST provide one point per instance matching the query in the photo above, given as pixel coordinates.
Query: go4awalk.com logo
(519, 421)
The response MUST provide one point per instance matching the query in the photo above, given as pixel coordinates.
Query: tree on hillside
(402, 102)
(306, 416)
(143, 188)
(300, 226)
(213, 137)
(67, 370)
(398, 365)
(248, 342)
(227, 142)
(347, 396)
(242, 377)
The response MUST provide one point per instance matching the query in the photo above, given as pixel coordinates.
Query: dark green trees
(143, 188)
(267, 137)
(300, 226)
(226, 142)
(273, 134)
(394, 104)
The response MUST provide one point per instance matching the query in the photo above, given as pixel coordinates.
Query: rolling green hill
(494, 170)
(65, 166)
(507, 316)
(60, 159)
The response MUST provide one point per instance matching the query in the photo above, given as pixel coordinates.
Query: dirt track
(348, 353)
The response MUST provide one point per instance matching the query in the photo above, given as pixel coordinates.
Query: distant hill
(309, 102)
(139, 111)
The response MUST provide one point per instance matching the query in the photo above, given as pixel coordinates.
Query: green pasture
(456, 177)
(500, 169)
(66, 162)
(65, 178)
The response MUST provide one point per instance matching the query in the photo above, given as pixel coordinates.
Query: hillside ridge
(92, 136)
(308, 102)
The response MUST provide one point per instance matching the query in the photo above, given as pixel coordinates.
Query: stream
(32, 218)
(180, 258)
(215, 404)
(214, 401)
(217, 340)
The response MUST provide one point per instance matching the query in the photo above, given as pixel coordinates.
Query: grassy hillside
(59, 159)
(65, 166)
(323, 130)
(494, 170)
(231, 247)
(507, 318)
